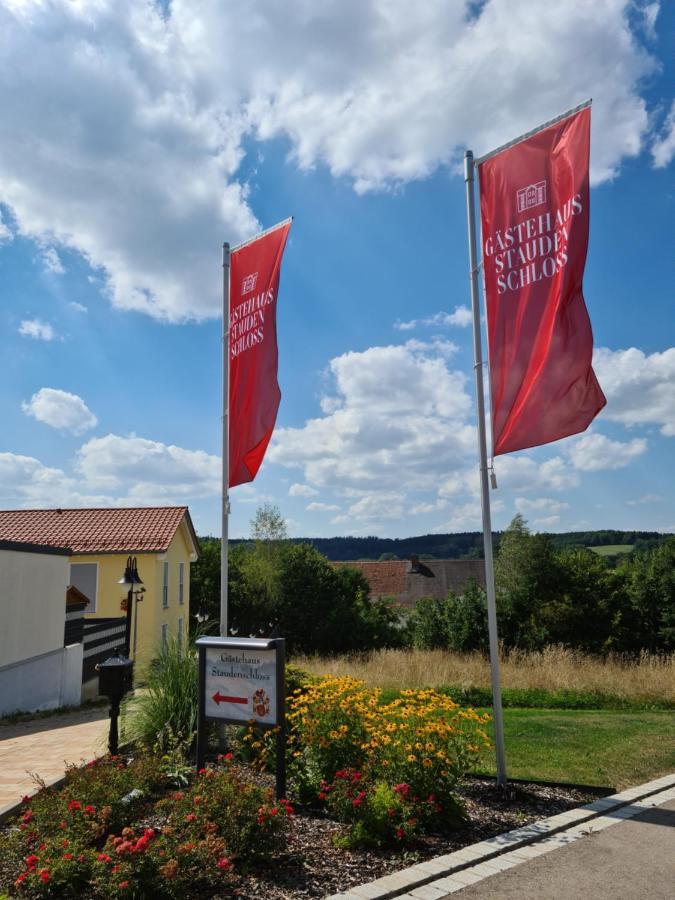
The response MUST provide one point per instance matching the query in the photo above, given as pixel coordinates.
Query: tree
(268, 524)
(527, 577)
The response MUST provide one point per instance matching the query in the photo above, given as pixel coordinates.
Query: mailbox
(115, 677)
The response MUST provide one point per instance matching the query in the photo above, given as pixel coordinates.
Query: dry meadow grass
(553, 669)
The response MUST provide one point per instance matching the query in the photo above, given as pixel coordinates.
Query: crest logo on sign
(248, 284)
(532, 195)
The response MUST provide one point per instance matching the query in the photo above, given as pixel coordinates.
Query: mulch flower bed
(308, 864)
(313, 866)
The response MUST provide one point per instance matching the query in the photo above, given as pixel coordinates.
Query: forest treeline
(546, 594)
(463, 545)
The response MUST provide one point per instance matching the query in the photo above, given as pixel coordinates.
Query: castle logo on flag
(532, 195)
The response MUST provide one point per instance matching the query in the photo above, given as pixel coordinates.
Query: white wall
(48, 681)
(32, 604)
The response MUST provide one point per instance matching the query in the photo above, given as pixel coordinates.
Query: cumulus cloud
(61, 410)
(51, 262)
(546, 521)
(596, 452)
(645, 499)
(77, 307)
(541, 505)
(398, 416)
(148, 108)
(112, 471)
(36, 329)
(467, 516)
(6, 234)
(322, 507)
(461, 317)
(663, 148)
(26, 482)
(302, 490)
(638, 387)
(148, 470)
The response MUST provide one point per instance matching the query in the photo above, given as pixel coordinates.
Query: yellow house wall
(151, 612)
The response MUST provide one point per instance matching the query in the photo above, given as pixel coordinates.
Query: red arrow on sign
(221, 698)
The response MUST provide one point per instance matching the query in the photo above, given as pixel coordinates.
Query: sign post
(242, 680)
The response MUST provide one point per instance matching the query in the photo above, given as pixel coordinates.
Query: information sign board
(241, 684)
(243, 680)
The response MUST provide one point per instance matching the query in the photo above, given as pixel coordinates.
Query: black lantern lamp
(131, 580)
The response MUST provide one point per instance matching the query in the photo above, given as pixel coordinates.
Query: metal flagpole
(226, 440)
(484, 488)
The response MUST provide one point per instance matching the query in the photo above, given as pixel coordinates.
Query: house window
(181, 589)
(180, 632)
(165, 586)
(165, 636)
(84, 577)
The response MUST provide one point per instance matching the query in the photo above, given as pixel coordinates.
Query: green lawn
(612, 549)
(596, 747)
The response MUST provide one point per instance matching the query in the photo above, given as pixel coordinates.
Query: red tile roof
(387, 578)
(126, 530)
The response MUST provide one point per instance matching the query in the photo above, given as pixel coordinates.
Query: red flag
(254, 390)
(534, 213)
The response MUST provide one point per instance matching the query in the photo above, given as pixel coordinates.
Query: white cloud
(26, 482)
(520, 474)
(398, 416)
(645, 499)
(6, 234)
(419, 509)
(663, 148)
(147, 108)
(650, 14)
(638, 387)
(61, 410)
(77, 307)
(377, 507)
(546, 521)
(596, 452)
(462, 316)
(112, 471)
(51, 261)
(468, 516)
(148, 470)
(322, 507)
(541, 505)
(36, 329)
(301, 490)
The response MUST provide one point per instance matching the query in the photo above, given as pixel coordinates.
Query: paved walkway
(45, 745)
(633, 859)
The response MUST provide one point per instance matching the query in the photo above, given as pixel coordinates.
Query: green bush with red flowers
(118, 829)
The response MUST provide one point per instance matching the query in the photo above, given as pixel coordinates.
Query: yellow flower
(411, 757)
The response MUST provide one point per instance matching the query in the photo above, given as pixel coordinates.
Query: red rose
(224, 863)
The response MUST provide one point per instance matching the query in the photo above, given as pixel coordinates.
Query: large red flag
(534, 213)
(254, 390)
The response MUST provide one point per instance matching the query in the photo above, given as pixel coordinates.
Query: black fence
(101, 637)
(74, 629)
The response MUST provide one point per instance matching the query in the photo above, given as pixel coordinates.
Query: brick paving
(44, 746)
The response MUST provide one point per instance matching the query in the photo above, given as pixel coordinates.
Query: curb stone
(435, 878)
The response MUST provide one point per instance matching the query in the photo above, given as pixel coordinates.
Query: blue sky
(137, 140)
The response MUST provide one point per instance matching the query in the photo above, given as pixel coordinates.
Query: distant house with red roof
(405, 581)
(163, 541)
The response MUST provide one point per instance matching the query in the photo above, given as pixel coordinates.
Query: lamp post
(130, 580)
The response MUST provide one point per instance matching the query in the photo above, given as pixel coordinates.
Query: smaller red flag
(253, 352)
(534, 210)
